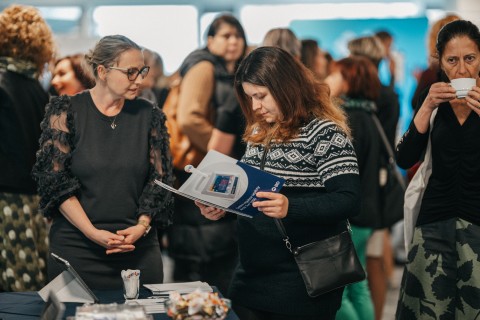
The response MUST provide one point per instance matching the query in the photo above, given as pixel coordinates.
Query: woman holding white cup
(439, 276)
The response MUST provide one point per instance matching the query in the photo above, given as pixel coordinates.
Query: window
(172, 31)
(62, 20)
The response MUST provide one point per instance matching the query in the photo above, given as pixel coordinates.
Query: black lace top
(111, 171)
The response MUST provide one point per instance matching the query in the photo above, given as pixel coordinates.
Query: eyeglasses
(133, 73)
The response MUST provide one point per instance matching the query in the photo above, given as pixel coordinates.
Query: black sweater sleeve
(340, 201)
(412, 145)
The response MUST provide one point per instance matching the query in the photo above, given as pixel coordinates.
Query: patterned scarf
(363, 104)
(23, 67)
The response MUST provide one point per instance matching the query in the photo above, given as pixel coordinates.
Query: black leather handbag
(327, 264)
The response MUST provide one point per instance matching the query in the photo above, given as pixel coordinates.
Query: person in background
(71, 75)
(150, 88)
(355, 81)
(285, 39)
(100, 152)
(387, 41)
(203, 250)
(228, 129)
(330, 62)
(298, 134)
(441, 276)
(388, 112)
(387, 103)
(395, 252)
(314, 59)
(432, 74)
(26, 46)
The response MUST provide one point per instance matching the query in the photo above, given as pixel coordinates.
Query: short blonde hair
(370, 47)
(25, 35)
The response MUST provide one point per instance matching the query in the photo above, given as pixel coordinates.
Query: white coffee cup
(462, 86)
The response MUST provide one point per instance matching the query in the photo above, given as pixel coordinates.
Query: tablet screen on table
(68, 267)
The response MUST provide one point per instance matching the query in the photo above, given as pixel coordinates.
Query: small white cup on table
(131, 283)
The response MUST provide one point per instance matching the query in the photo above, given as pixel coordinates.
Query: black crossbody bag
(327, 264)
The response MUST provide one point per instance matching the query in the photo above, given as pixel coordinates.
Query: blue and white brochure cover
(226, 183)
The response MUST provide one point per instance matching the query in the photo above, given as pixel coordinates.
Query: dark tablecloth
(29, 305)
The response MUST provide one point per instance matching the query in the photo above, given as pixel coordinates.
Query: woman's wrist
(144, 221)
(89, 232)
(145, 217)
(422, 119)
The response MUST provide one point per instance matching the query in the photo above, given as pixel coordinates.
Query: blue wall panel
(409, 42)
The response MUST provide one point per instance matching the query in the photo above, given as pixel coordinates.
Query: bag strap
(388, 148)
(286, 239)
(384, 138)
(428, 151)
(283, 232)
(278, 222)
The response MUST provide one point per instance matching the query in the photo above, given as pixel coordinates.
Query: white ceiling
(221, 5)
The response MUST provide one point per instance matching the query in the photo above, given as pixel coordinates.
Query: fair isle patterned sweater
(322, 186)
(320, 152)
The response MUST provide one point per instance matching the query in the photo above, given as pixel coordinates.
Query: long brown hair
(361, 76)
(298, 95)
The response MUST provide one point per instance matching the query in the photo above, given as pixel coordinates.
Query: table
(29, 305)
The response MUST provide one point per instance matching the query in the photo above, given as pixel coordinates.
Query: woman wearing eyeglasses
(100, 151)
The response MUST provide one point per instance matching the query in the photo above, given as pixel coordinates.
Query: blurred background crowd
(372, 64)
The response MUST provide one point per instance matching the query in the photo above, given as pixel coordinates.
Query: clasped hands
(119, 242)
(275, 206)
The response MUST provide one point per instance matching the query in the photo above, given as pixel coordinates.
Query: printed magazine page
(226, 183)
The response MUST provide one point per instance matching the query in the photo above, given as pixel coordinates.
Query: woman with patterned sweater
(305, 139)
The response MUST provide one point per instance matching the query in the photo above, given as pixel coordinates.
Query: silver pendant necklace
(113, 125)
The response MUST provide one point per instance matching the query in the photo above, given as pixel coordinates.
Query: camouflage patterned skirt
(442, 278)
(23, 243)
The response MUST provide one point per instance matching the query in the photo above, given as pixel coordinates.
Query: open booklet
(226, 183)
(159, 289)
